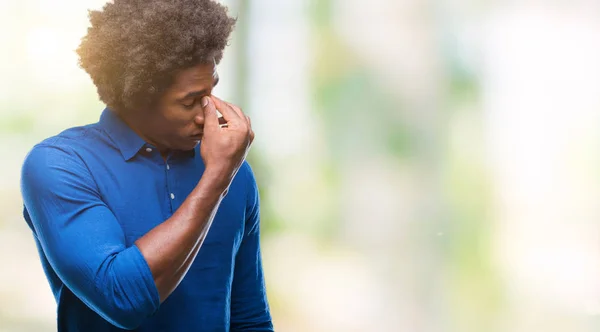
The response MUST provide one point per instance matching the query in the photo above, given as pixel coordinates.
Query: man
(138, 226)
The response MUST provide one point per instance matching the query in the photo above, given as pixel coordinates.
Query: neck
(137, 125)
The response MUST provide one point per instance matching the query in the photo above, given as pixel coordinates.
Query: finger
(251, 136)
(211, 120)
(250, 131)
(236, 109)
(228, 113)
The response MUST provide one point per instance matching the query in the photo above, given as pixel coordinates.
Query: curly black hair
(134, 48)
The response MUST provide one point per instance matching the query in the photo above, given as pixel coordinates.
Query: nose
(199, 119)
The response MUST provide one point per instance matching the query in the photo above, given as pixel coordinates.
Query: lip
(197, 136)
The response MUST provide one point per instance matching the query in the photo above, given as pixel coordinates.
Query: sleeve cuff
(139, 288)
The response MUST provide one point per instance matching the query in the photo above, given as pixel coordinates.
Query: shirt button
(172, 196)
(168, 167)
(148, 150)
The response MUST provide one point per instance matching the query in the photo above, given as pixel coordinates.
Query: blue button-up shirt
(91, 192)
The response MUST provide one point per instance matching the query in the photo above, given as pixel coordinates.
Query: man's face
(178, 121)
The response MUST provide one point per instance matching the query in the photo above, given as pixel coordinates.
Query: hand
(224, 148)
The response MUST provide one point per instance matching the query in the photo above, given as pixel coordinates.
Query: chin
(192, 145)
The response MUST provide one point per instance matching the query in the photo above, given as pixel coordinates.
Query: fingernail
(204, 101)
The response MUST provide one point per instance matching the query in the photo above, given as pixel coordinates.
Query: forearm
(171, 247)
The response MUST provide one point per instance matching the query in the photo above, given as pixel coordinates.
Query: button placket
(169, 185)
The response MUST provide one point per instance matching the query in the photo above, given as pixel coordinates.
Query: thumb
(211, 119)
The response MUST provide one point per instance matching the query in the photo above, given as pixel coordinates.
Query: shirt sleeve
(249, 305)
(82, 239)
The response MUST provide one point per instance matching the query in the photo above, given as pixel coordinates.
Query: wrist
(216, 178)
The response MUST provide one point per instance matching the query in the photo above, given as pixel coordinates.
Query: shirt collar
(128, 142)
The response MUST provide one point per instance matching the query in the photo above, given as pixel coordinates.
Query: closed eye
(196, 95)
(189, 106)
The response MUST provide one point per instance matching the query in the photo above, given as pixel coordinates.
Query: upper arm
(66, 210)
(82, 239)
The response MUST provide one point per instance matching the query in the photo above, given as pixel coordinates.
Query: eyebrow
(199, 93)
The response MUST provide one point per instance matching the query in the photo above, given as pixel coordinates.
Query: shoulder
(71, 139)
(67, 144)
(58, 148)
(247, 174)
(57, 156)
(251, 187)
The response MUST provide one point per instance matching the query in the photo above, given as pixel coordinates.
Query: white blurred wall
(542, 119)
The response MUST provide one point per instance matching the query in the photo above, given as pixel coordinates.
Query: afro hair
(134, 48)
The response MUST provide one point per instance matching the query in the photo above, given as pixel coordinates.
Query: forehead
(198, 77)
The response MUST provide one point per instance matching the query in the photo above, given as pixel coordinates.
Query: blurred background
(423, 165)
